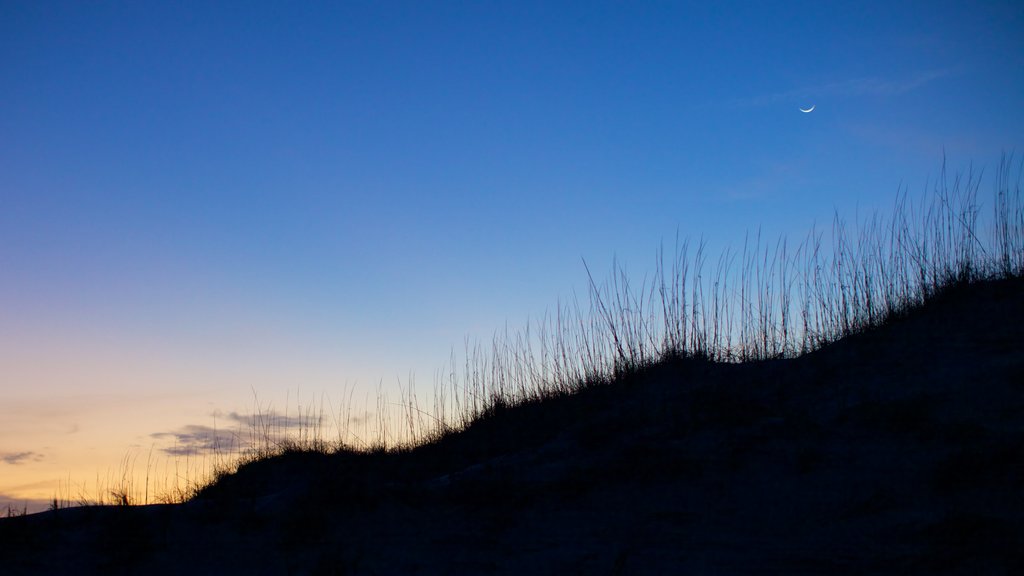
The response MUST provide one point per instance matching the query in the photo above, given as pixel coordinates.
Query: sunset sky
(206, 202)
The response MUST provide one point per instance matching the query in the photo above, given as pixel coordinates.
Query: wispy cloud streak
(870, 86)
(272, 419)
(195, 439)
(16, 458)
(15, 505)
(242, 432)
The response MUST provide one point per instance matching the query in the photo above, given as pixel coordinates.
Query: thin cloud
(880, 86)
(15, 505)
(870, 86)
(194, 439)
(241, 432)
(271, 420)
(16, 458)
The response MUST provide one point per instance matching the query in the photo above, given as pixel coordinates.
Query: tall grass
(767, 300)
(770, 299)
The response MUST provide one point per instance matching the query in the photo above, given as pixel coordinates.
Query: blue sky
(199, 200)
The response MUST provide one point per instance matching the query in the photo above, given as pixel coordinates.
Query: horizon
(204, 206)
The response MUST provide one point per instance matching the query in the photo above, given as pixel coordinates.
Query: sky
(209, 205)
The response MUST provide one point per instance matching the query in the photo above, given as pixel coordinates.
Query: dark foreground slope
(896, 451)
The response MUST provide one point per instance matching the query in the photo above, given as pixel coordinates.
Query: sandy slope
(896, 451)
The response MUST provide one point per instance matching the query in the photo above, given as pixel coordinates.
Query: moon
(808, 110)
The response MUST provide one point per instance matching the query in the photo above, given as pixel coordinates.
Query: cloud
(868, 86)
(243, 432)
(271, 420)
(16, 505)
(880, 86)
(15, 458)
(195, 439)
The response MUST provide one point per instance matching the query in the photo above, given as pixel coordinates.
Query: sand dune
(898, 450)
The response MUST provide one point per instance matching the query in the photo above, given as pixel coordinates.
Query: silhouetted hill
(896, 450)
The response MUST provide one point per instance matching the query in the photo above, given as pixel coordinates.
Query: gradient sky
(200, 201)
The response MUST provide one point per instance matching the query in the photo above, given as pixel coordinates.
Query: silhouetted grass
(770, 300)
(14, 512)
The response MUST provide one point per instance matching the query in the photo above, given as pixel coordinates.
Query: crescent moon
(808, 110)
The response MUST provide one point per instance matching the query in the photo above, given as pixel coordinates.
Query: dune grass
(765, 300)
